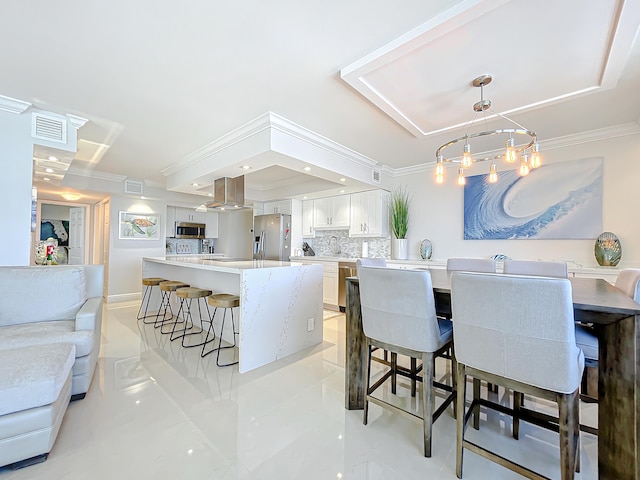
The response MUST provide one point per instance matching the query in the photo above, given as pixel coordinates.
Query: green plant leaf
(399, 210)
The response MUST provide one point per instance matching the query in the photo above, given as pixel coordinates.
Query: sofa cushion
(40, 294)
(42, 333)
(33, 376)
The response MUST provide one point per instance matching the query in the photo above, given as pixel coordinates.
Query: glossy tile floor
(158, 411)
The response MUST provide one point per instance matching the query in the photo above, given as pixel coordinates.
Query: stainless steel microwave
(190, 230)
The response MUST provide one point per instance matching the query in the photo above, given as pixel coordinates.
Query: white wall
(16, 158)
(436, 211)
(50, 211)
(125, 256)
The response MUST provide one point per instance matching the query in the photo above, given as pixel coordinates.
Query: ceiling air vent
(375, 175)
(49, 128)
(133, 187)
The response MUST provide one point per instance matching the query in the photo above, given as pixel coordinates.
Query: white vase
(399, 248)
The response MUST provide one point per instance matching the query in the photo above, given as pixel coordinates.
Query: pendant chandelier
(526, 153)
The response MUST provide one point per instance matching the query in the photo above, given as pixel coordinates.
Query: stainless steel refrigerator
(272, 237)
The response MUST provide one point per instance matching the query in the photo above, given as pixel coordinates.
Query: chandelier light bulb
(466, 157)
(524, 166)
(461, 179)
(511, 155)
(535, 161)
(439, 179)
(439, 166)
(493, 174)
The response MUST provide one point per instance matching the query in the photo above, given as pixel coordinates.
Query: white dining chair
(532, 267)
(525, 318)
(628, 281)
(398, 314)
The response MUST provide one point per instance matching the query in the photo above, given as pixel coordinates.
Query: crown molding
(76, 121)
(581, 138)
(12, 105)
(273, 123)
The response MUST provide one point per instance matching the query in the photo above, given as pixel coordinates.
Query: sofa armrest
(89, 317)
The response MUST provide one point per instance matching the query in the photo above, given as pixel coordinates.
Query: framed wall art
(557, 201)
(139, 226)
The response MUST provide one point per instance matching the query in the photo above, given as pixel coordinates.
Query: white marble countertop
(226, 265)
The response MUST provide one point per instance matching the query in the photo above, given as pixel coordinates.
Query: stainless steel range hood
(228, 192)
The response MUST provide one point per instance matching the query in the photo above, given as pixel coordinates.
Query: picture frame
(138, 226)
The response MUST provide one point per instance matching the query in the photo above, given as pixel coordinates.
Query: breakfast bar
(280, 309)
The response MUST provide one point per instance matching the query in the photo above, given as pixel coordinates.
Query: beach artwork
(139, 226)
(557, 201)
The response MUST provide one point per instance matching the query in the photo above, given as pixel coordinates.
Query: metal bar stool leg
(187, 295)
(210, 330)
(148, 283)
(167, 288)
(233, 328)
(225, 301)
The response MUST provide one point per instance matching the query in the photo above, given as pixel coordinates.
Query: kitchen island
(280, 302)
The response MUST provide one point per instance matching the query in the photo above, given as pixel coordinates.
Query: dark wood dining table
(616, 319)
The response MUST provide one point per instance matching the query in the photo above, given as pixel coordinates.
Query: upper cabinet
(280, 206)
(369, 214)
(211, 225)
(331, 213)
(189, 215)
(307, 219)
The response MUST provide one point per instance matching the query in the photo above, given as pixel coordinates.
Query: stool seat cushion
(192, 292)
(172, 286)
(224, 300)
(33, 376)
(152, 281)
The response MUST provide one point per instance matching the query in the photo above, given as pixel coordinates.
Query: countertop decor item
(608, 250)
(399, 211)
(426, 249)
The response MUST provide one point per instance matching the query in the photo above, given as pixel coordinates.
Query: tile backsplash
(337, 243)
(183, 245)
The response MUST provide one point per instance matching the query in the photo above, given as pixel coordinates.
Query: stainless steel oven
(345, 269)
(190, 230)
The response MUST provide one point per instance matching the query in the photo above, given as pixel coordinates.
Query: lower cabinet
(329, 282)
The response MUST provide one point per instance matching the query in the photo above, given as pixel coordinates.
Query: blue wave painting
(557, 201)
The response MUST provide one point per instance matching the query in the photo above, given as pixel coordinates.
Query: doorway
(65, 226)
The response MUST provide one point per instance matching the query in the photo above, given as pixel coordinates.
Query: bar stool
(186, 296)
(166, 288)
(148, 283)
(226, 301)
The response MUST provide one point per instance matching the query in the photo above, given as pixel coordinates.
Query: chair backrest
(527, 322)
(398, 308)
(371, 262)
(532, 267)
(628, 281)
(485, 265)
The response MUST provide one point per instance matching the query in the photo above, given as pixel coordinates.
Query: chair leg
(367, 372)
(233, 333)
(461, 386)
(576, 428)
(210, 330)
(146, 295)
(394, 370)
(476, 409)
(414, 368)
(454, 380)
(428, 400)
(568, 441)
(517, 404)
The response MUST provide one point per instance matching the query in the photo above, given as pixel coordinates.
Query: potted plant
(399, 212)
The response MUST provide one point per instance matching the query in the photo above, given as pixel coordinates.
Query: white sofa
(54, 304)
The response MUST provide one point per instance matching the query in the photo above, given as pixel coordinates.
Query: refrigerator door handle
(261, 251)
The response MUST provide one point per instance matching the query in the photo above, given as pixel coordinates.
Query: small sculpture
(608, 250)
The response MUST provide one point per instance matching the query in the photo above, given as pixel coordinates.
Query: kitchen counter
(280, 309)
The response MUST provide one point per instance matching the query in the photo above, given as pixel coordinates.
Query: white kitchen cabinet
(369, 214)
(170, 224)
(307, 219)
(331, 212)
(280, 206)
(189, 215)
(211, 224)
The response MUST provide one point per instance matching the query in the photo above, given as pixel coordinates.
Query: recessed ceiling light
(221, 208)
(53, 159)
(46, 179)
(245, 167)
(48, 170)
(343, 179)
(70, 196)
(306, 169)
(341, 191)
(304, 198)
(210, 194)
(194, 184)
(142, 197)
